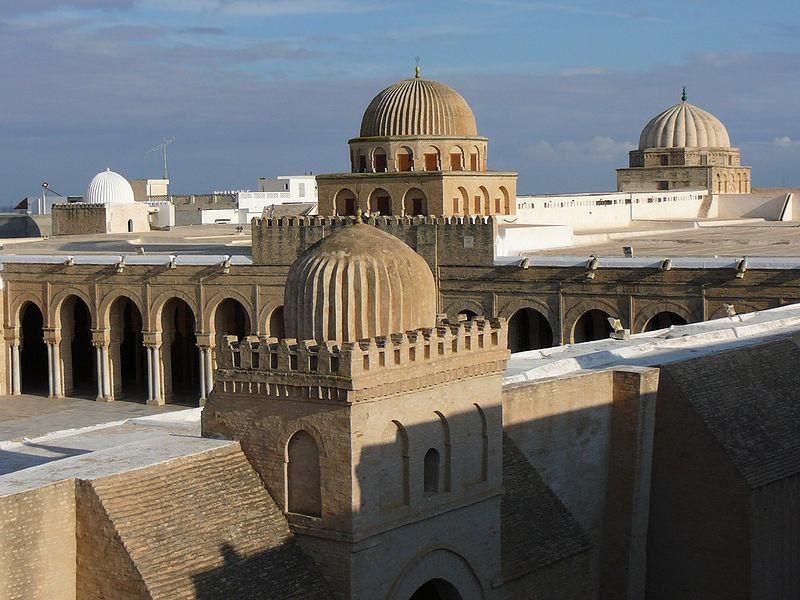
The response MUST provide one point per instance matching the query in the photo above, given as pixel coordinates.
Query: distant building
(685, 147)
(107, 207)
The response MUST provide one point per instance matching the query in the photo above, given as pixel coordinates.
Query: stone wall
(37, 545)
(698, 538)
(80, 218)
(440, 241)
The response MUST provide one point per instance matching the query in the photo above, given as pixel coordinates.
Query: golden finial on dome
(416, 71)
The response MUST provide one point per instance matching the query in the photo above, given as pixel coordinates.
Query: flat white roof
(655, 347)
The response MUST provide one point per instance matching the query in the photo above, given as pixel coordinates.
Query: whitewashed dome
(358, 282)
(684, 125)
(108, 187)
(418, 107)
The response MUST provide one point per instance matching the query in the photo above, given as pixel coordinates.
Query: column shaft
(51, 376)
(16, 371)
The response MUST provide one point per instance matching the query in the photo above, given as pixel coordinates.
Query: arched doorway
(436, 589)
(528, 329)
(405, 159)
(180, 354)
(33, 351)
(345, 203)
(128, 370)
(230, 318)
(379, 160)
(416, 203)
(77, 353)
(664, 320)
(592, 325)
(380, 202)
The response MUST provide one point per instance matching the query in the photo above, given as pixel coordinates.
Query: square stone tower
(384, 454)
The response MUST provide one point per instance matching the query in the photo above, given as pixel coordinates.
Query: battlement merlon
(446, 241)
(372, 367)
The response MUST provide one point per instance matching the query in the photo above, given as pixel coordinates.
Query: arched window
(303, 476)
(276, 324)
(432, 162)
(345, 203)
(405, 159)
(394, 467)
(415, 203)
(380, 202)
(130, 225)
(431, 474)
(379, 160)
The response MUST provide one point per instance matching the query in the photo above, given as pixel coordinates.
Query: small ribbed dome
(416, 107)
(109, 187)
(357, 283)
(684, 125)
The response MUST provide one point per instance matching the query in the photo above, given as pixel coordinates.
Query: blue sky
(272, 87)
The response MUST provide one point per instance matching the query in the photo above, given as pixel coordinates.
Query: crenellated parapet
(439, 240)
(370, 368)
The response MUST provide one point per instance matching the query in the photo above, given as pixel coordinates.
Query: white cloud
(597, 149)
(782, 142)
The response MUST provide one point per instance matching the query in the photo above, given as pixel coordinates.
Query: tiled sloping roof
(536, 528)
(749, 399)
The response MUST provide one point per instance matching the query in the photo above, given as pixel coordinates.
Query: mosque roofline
(129, 259)
(396, 138)
(418, 174)
(653, 348)
(648, 262)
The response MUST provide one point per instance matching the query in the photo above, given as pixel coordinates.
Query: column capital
(52, 335)
(12, 335)
(151, 338)
(205, 340)
(101, 337)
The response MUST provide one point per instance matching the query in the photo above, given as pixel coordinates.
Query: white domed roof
(109, 187)
(684, 125)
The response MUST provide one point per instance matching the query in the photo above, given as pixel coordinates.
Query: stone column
(52, 337)
(204, 342)
(50, 376)
(12, 339)
(16, 371)
(152, 344)
(100, 340)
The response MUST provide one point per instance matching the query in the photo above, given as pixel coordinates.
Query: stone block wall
(37, 545)
(440, 241)
(79, 219)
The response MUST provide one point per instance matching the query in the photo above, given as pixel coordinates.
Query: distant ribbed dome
(684, 125)
(358, 282)
(109, 187)
(417, 107)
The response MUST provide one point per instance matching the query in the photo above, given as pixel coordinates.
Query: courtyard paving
(29, 416)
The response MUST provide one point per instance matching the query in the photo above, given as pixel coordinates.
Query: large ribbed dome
(109, 187)
(356, 283)
(416, 107)
(684, 125)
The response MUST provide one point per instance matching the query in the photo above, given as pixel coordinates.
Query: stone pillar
(204, 343)
(52, 337)
(152, 344)
(101, 339)
(12, 339)
(16, 370)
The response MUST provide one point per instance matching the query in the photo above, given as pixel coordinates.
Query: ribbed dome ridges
(684, 125)
(109, 187)
(416, 107)
(359, 282)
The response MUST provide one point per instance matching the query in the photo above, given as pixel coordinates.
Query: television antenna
(163, 146)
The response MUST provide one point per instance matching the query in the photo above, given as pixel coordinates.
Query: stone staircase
(200, 527)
